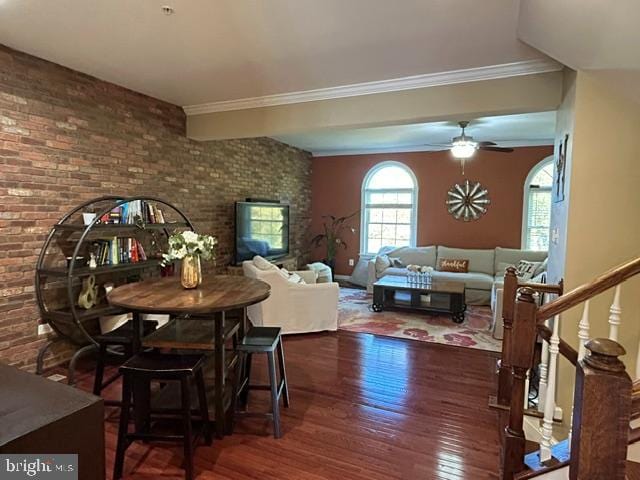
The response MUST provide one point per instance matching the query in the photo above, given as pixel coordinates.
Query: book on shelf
(119, 250)
(136, 211)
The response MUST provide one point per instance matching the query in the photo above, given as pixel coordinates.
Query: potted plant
(332, 235)
(190, 247)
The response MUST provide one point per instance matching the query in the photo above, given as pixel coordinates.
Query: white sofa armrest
(309, 276)
(372, 276)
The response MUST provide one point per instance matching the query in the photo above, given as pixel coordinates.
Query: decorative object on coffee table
(436, 296)
(189, 247)
(467, 201)
(333, 228)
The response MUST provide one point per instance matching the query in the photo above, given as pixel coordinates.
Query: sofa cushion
(472, 280)
(512, 256)
(481, 261)
(382, 263)
(424, 256)
(397, 271)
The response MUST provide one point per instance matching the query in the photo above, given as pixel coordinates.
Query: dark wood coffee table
(437, 297)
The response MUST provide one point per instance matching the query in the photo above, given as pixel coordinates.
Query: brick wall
(66, 137)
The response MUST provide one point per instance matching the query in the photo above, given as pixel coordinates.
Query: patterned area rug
(354, 315)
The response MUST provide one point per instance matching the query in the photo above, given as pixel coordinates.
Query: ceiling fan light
(463, 149)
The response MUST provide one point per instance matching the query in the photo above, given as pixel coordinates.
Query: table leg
(141, 390)
(136, 341)
(220, 374)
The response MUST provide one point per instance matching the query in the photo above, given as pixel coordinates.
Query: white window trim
(525, 203)
(363, 210)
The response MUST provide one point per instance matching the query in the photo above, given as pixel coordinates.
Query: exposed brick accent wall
(66, 137)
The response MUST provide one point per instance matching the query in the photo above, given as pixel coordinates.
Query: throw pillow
(292, 276)
(502, 268)
(396, 262)
(527, 270)
(454, 265)
(542, 267)
(262, 263)
(382, 263)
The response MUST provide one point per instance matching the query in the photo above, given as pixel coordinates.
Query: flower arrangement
(187, 243)
(419, 269)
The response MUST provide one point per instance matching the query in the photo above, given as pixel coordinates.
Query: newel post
(521, 353)
(508, 306)
(602, 408)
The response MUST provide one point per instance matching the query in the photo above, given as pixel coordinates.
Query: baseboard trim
(342, 277)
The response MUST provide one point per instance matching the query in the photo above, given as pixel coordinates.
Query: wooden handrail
(566, 350)
(584, 292)
(544, 287)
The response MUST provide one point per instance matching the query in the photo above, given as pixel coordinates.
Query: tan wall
(603, 224)
(528, 93)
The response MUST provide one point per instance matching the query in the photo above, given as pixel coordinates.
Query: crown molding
(424, 148)
(526, 67)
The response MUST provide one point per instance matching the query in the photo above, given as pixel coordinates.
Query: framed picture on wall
(561, 169)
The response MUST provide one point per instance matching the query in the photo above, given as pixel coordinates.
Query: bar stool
(120, 337)
(264, 340)
(153, 366)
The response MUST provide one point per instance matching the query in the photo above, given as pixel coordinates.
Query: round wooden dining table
(217, 295)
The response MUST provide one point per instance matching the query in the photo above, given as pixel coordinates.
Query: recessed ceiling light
(167, 10)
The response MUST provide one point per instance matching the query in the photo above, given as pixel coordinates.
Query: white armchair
(295, 307)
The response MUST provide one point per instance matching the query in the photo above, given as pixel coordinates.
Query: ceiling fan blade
(496, 149)
(487, 144)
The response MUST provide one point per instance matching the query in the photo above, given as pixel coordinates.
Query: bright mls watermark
(48, 467)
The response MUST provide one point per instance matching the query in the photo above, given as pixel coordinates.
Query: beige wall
(603, 223)
(527, 93)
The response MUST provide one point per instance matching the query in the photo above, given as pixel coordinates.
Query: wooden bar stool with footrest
(264, 340)
(120, 337)
(152, 366)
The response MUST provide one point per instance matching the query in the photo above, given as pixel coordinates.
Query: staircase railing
(600, 426)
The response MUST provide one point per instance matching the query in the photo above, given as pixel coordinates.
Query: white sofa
(295, 307)
(486, 267)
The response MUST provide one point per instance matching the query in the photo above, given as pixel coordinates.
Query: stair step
(633, 470)
(560, 453)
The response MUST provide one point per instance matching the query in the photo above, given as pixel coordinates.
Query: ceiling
(508, 130)
(218, 50)
(597, 37)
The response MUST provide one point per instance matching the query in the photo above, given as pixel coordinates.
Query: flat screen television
(262, 228)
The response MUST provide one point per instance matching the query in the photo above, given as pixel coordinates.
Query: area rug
(355, 315)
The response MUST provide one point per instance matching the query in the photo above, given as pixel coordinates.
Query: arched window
(536, 218)
(389, 201)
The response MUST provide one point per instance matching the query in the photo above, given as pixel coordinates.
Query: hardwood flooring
(363, 407)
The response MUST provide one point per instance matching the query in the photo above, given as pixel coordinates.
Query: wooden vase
(191, 274)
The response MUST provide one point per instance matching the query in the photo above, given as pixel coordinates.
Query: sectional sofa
(485, 274)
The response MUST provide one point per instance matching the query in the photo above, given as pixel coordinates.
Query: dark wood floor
(363, 407)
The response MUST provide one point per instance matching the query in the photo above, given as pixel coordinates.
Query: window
(536, 219)
(266, 224)
(389, 194)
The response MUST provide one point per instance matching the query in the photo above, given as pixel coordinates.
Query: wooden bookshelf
(71, 238)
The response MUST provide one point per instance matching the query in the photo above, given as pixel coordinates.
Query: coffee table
(437, 297)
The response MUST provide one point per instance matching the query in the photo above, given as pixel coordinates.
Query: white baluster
(583, 331)
(549, 403)
(615, 315)
(544, 367)
(583, 337)
(527, 384)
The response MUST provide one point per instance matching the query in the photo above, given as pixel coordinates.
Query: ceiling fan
(464, 146)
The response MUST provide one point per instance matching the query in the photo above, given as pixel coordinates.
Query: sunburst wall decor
(467, 201)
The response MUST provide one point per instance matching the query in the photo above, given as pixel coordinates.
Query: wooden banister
(566, 350)
(601, 414)
(521, 356)
(584, 292)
